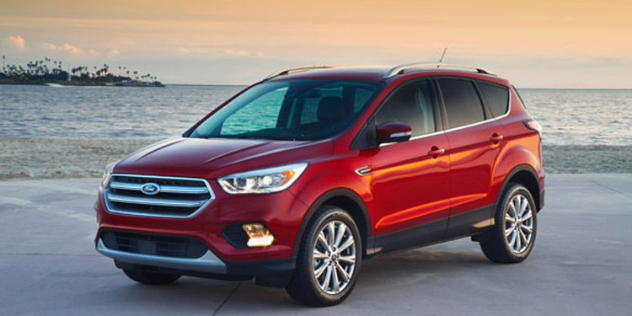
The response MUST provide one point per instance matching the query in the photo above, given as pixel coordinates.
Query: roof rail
(283, 72)
(398, 70)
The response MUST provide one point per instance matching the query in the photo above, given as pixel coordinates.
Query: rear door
(475, 140)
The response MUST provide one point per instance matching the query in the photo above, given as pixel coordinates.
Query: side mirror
(393, 132)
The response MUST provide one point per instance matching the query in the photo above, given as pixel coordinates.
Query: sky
(534, 44)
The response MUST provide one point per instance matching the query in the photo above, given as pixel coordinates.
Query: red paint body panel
(472, 160)
(403, 201)
(213, 158)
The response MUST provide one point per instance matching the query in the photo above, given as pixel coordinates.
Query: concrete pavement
(581, 264)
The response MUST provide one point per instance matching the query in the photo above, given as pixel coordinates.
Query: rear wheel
(512, 238)
(150, 278)
(328, 261)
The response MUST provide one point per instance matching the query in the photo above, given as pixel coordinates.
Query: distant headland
(51, 72)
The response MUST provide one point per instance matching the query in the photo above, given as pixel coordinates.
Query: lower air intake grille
(236, 236)
(155, 245)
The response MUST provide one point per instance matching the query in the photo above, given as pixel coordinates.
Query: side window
(462, 104)
(263, 112)
(497, 98)
(411, 105)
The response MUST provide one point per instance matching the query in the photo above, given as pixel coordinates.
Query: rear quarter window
(497, 98)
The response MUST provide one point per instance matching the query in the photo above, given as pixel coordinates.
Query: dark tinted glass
(290, 110)
(411, 105)
(462, 103)
(497, 98)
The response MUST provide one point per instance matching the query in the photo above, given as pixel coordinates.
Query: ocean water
(105, 112)
(581, 117)
(569, 117)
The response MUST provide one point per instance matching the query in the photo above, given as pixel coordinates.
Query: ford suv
(300, 177)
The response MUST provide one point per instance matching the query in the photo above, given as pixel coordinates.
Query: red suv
(300, 177)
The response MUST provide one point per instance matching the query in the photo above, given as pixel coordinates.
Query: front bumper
(272, 273)
(221, 258)
(208, 263)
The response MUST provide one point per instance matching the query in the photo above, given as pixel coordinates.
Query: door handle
(496, 138)
(436, 152)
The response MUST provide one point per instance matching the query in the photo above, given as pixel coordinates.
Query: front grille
(155, 245)
(173, 197)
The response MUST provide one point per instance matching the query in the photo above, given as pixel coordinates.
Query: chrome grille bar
(164, 188)
(175, 197)
(154, 201)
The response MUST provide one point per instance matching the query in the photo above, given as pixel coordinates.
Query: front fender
(324, 185)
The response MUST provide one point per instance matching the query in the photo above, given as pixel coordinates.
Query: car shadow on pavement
(395, 271)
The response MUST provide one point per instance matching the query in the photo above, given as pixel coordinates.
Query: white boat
(56, 85)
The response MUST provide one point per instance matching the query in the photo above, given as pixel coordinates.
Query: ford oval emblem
(150, 188)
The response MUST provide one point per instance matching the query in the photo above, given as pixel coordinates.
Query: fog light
(258, 235)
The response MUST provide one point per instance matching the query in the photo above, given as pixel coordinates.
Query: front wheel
(150, 278)
(512, 238)
(328, 261)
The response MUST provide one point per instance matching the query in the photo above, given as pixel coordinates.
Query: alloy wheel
(518, 224)
(334, 256)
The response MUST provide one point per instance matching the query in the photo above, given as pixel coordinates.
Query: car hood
(213, 158)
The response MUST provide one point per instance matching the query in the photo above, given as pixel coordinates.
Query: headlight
(262, 181)
(107, 174)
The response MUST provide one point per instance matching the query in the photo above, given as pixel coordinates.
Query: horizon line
(519, 88)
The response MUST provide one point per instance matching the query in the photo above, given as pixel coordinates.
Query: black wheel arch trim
(511, 174)
(365, 228)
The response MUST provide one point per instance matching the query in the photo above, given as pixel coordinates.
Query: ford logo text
(150, 188)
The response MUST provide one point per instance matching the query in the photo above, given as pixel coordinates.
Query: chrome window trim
(115, 211)
(414, 138)
(427, 135)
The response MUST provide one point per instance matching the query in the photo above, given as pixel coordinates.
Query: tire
(326, 275)
(151, 278)
(513, 236)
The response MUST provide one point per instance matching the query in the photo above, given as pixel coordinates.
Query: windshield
(290, 110)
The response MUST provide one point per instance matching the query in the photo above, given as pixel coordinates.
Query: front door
(411, 179)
